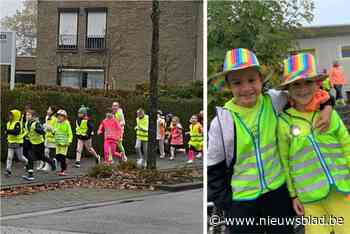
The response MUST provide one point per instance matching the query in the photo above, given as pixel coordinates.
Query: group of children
(278, 153)
(48, 143)
(170, 136)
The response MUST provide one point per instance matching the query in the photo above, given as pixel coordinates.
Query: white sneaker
(124, 158)
(46, 167)
(182, 150)
(162, 156)
(199, 155)
(189, 161)
(172, 158)
(139, 163)
(41, 165)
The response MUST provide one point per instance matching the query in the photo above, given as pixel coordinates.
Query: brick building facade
(94, 44)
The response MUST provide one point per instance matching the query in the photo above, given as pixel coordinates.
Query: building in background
(328, 43)
(107, 44)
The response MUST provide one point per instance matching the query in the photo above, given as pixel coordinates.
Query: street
(152, 213)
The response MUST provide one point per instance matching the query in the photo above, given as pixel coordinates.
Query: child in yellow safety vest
(245, 175)
(195, 144)
(317, 164)
(35, 133)
(63, 138)
(119, 116)
(141, 137)
(15, 133)
(50, 121)
(84, 131)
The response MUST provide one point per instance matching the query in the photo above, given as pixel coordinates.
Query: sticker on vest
(295, 130)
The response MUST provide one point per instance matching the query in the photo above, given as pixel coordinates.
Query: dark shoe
(28, 177)
(54, 165)
(98, 159)
(77, 164)
(8, 172)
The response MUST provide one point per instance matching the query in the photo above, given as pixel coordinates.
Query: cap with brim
(300, 67)
(62, 112)
(235, 59)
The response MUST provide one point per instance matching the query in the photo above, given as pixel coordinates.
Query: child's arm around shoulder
(279, 99)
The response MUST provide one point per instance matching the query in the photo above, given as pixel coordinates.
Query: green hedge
(71, 100)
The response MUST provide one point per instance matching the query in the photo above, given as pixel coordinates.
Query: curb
(34, 183)
(180, 187)
(170, 188)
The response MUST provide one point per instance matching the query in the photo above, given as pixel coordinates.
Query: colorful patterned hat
(300, 67)
(236, 59)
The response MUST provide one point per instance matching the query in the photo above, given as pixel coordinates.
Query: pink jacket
(111, 129)
(176, 135)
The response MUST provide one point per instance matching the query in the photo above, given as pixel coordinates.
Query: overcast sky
(327, 12)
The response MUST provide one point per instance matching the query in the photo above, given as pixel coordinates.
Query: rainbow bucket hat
(235, 59)
(301, 66)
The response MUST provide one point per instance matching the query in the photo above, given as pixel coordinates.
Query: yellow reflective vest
(258, 168)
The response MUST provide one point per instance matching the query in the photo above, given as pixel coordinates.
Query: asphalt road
(160, 213)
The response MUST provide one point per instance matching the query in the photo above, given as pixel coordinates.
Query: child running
(195, 145)
(84, 132)
(176, 137)
(317, 164)
(63, 138)
(35, 132)
(112, 131)
(119, 116)
(15, 133)
(50, 147)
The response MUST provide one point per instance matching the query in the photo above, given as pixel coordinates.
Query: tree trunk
(153, 104)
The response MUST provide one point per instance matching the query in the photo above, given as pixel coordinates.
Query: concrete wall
(327, 50)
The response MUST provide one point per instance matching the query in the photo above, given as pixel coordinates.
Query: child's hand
(298, 207)
(323, 122)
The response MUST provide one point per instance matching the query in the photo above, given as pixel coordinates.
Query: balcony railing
(67, 41)
(95, 41)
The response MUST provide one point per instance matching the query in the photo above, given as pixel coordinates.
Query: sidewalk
(57, 199)
(86, 163)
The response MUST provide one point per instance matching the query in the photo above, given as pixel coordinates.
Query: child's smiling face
(61, 118)
(246, 86)
(302, 91)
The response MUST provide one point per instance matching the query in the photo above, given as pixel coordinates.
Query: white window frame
(96, 40)
(80, 72)
(60, 15)
(340, 52)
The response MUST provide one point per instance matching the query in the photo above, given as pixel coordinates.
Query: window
(96, 29)
(345, 51)
(68, 30)
(25, 77)
(82, 78)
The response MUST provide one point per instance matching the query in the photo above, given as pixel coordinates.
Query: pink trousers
(110, 148)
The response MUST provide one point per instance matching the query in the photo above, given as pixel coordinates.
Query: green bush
(98, 102)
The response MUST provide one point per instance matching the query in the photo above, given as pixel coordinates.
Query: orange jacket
(337, 76)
